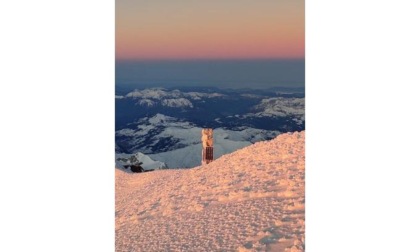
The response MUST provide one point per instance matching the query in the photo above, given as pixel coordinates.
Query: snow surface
(249, 200)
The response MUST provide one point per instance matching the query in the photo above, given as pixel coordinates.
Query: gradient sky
(209, 29)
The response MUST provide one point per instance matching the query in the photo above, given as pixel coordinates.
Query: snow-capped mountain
(147, 163)
(167, 98)
(250, 200)
(280, 107)
(161, 93)
(147, 102)
(177, 103)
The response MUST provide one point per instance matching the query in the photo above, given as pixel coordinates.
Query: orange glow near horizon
(210, 29)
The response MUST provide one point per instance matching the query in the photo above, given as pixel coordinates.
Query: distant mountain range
(165, 124)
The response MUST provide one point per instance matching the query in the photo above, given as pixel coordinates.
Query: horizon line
(206, 59)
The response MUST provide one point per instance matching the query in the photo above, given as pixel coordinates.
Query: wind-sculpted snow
(249, 200)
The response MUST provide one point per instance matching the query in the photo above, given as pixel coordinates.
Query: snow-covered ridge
(199, 96)
(180, 102)
(147, 163)
(280, 106)
(153, 93)
(147, 102)
(168, 98)
(249, 200)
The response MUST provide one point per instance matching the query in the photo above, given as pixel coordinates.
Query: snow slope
(190, 156)
(249, 200)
